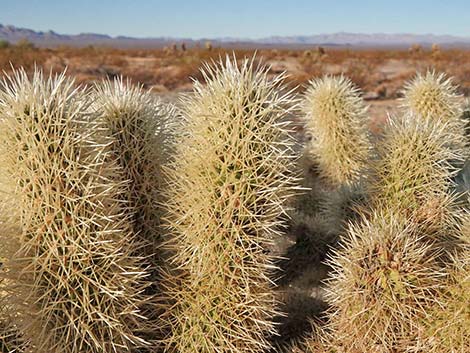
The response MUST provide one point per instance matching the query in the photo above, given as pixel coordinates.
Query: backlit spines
(141, 125)
(384, 279)
(72, 279)
(450, 320)
(231, 177)
(335, 119)
(417, 162)
(432, 95)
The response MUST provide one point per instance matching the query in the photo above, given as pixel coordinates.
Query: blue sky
(238, 18)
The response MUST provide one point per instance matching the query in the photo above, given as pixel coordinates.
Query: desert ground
(380, 73)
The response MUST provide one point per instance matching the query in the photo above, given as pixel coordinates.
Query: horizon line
(235, 37)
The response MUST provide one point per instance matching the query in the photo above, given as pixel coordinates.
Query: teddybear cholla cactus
(450, 321)
(231, 176)
(384, 279)
(414, 174)
(142, 129)
(72, 281)
(432, 95)
(335, 158)
(336, 121)
(421, 154)
(389, 272)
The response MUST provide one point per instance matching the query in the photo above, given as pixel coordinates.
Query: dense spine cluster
(384, 279)
(432, 95)
(449, 321)
(231, 177)
(389, 273)
(335, 156)
(416, 169)
(335, 119)
(141, 126)
(124, 229)
(70, 276)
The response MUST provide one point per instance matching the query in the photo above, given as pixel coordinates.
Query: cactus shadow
(300, 281)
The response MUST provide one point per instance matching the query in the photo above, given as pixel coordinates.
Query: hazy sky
(238, 18)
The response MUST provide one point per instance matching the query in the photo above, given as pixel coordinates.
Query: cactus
(432, 95)
(11, 340)
(384, 278)
(335, 156)
(336, 120)
(389, 274)
(340, 206)
(435, 96)
(231, 177)
(318, 340)
(72, 280)
(451, 319)
(417, 164)
(463, 178)
(142, 127)
(448, 322)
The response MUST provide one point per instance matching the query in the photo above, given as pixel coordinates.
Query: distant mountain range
(52, 39)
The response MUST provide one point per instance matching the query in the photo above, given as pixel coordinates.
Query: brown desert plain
(379, 73)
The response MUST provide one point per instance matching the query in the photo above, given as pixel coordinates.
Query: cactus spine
(422, 153)
(72, 278)
(389, 270)
(417, 165)
(384, 279)
(336, 121)
(336, 153)
(432, 95)
(449, 322)
(141, 127)
(230, 179)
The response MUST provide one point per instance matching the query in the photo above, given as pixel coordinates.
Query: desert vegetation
(256, 212)
(380, 73)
